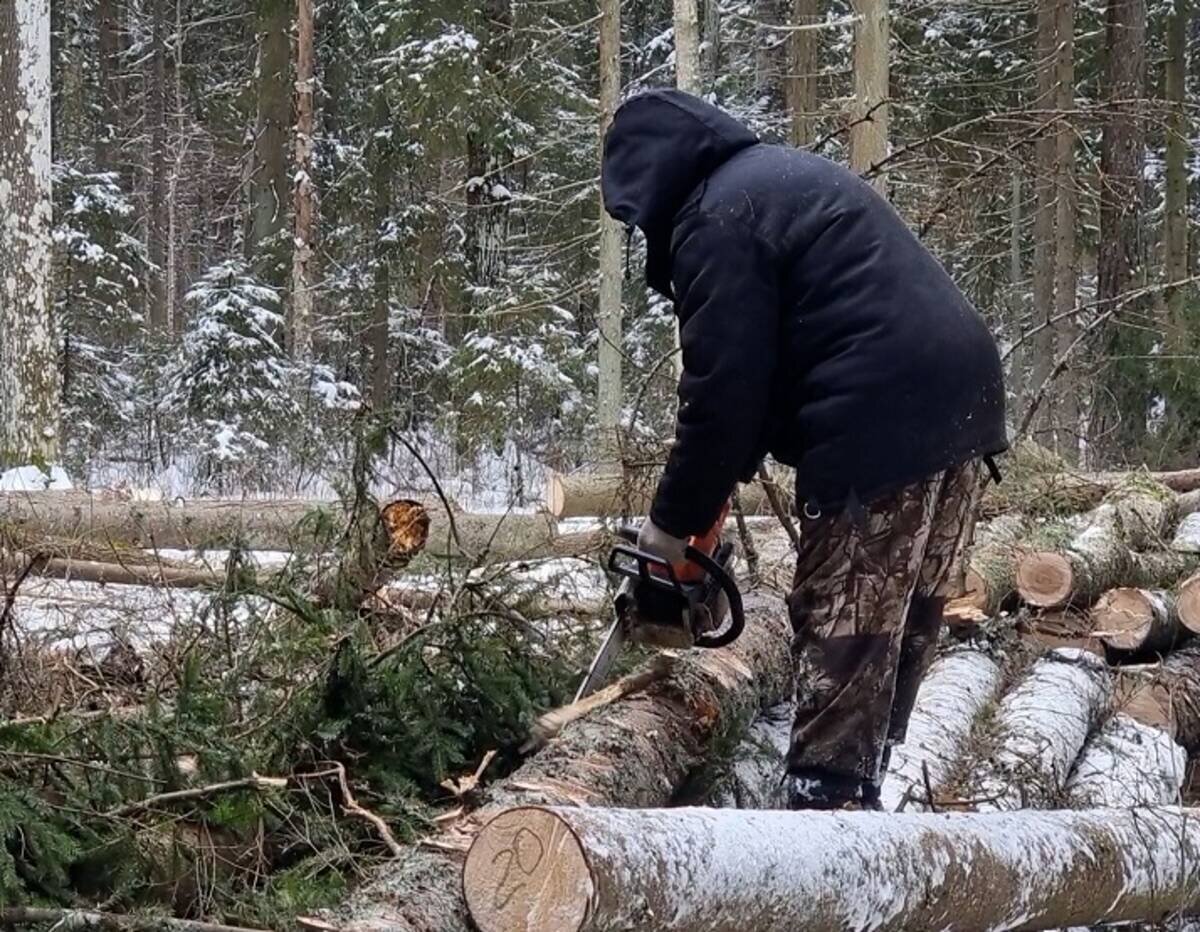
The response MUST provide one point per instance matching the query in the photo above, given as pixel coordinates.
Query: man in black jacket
(817, 328)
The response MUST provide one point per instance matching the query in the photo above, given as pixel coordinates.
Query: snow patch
(35, 479)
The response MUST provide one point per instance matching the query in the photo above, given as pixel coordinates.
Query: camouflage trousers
(866, 609)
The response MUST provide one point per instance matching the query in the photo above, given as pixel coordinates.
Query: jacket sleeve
(727, 300)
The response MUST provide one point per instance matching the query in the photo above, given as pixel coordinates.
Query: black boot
(816, 789)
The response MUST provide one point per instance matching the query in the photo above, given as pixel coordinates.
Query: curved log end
(1188, 603)
(1123, 618)
(407, 525)
(526, 872)
(1044, 579)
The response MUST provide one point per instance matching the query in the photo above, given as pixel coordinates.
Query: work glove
(654, 540)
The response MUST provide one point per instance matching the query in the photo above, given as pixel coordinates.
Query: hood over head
(660, 147)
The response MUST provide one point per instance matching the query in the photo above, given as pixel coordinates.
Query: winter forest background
(268, 216)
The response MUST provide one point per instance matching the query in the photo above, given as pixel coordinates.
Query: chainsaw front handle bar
(737, 613)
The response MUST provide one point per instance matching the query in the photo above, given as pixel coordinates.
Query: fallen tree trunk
(1125, 764)
(992, 567)
(637, 751)
(1041, 726)
(958, 687)
(1132, 621)
(166, 576)
(28, 518)
(687, 870)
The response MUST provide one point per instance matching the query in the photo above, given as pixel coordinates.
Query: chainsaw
(664, 605)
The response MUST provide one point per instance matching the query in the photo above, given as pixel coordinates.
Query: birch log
(1128, 763)
(1041, 726)
(955, 692)
(613, 493)
(686, 870)
(1168, 697)
(1131, 620)
(991, 571)
(637, 751)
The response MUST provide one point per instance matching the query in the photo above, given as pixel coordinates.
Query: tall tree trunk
(1122, 159)
(29, 374)
(1043, 219)
(1066, 270)
(801, 86)
(269, 181)
(377, 370)
(304, 192)
(608, 402)
(1175, 244)
(156, 111)
(108, 49)
(710, 51)
(687, 46)
(869, 129)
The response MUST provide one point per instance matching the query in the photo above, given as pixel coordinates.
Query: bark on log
(1132, 620)
(1103, 556)
(636, 752)
(1041, 726)
(494, 537)
(589, 494)
(1187, 535)
(686, 870)
(1125, 764)
(957, 689)
(165, 576)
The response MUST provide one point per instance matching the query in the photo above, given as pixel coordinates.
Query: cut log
(493, 537)
(637, 751)
(1168, 697)
(1056, 579)
(686, 870)
(166, 576)
(1103, 556)
(955, 692)
(1137, 621)
(1126, 764)
(1187, 535)
(594, 494)
(1041, 726)
(1187, 603)
(993, 560)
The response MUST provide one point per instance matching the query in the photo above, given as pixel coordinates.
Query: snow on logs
(1128, 763)
(535, 869)
(958, 687)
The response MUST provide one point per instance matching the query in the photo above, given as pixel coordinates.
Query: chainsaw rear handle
(737, 613)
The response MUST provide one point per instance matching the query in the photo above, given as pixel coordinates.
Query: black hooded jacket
(814, 324)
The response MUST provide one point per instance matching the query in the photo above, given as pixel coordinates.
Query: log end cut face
(1123, 618)
(1188, 602)
(407, 526)
(526, 872)
(1045, 579)
(975, 590)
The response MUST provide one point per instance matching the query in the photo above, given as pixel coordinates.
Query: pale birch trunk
(303, 192)
(687, 46)
(29, 374)
(608, 402)
(870, 117)
(686, 870)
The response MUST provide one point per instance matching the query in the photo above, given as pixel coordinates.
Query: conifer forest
(327, 385)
